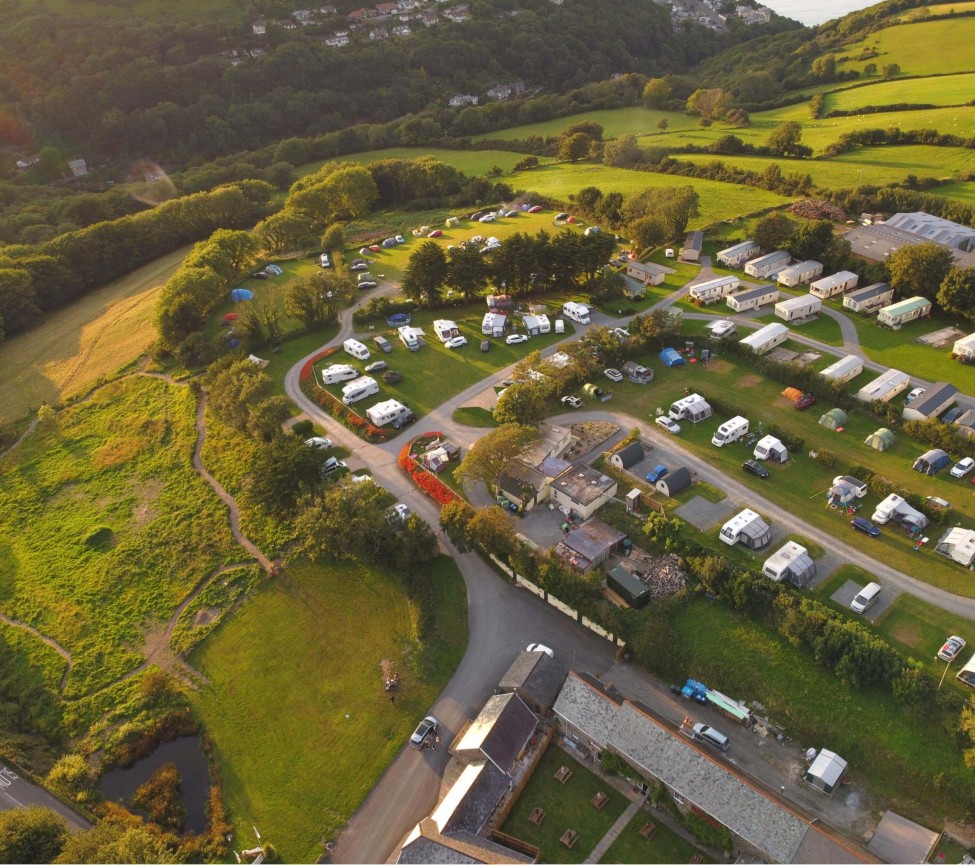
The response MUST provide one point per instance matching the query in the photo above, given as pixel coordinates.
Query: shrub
(303, 428)
(827, 458)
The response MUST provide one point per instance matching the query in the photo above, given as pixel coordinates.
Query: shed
(964, 348)
(870, 298)
(792, 393)
(692, 246)
(630, 588)
(636, 373)
(674, 482)
(752, 298)
(627, 457)
(671, 357)
(799, 273)
(932, 403)
(898, 314)
(739, 253)
(898, 839)
(834, 419)
(880, 440)
(766, 264)
(844, 370)
(589, 545)
(825, 772)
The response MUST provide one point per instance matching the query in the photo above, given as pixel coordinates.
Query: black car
(952, 414)
(404, 420)
(755, 468)
(862, 524)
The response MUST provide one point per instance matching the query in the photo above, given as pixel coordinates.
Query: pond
(185, 752)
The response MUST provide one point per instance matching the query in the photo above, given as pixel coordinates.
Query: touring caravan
(792, 563)
(766, 339)
(752, 298)
(445, 329)
(693, 408)
(886, 387)
(844, 370)
(410, 336)
(838, 283)
(713, 290)
(386, 412)
(895, 508)
(577, 312)
(730, 431)
(359, 390)
(799, 273)
(356, 349)
(494, 323)
(798, 308)
(336, 372)
(771, 448)
(958, 545)
(747, 528)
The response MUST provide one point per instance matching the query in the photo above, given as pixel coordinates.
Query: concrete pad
(543, 525)
(702, 514)
(846, 593)
(849, 590)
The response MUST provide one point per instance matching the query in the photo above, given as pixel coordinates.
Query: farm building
(931, 462)
(647, 272)
(932, 403)
(629, 587)
(898, 314)
(523, 485)
(925, 226)
(590, 545)
(692, 246)
(798, 308)
(964, 348)
(870, 298)
(583, 490)
(791, 563)
(766, 338)
(880, 440)
(712, 290)
(625, 458)
(886, 387)
(674, 482)
(957, 544)
(636, 373)
(834, 419)
(500, 732)
(845, 369)
(752, 298)
(799, 273)
(825, 772)
(671, 357)
(838, 283)
(739, 253)
(747, 528)
(767, 264)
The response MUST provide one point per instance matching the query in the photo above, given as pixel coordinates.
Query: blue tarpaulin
(241, 294)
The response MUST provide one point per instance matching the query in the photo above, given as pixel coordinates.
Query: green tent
(880, 440)
(834, 419)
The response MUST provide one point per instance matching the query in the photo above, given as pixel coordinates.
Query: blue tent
(241, 294)
(273, 269)
(671, 357)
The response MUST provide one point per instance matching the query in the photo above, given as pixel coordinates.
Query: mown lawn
(938, 90)
(472, 415)
(664, 846)
(301, 725)
(961, 190)
(824, 328)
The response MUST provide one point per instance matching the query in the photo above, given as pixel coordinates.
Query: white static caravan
(386, 412)
(799, 273)
(870, 298)
(798, 308)
(886, 387)
(356, 349)
(359, 390)
(714, 289)
(845, 369)
(735, 255)
(752, 298)
(766, 264)
(964, 348)
(838, 283)
(748, 528)
(766, 339)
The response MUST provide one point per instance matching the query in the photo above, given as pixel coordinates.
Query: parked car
(359, 264)
(404, 420)
(485, 345)
(515, 338)
(951, 649)
(536, 208)
(753, 467)
(656, 473)
(538, 647)
(862, 524)
(426, 729)
(571, 401)
(962, 467)
(319, 442)
(377, 366)
(712, 737)
(375, 247)
(613, 374)
(400, 512)
(914, 394)
(669, 424)
(331, 465)
(435, 233)
(560, 217)
(399, 238)
(366, 284)
(488, 217)
(456, 342)
(952, 414)
(805, 401)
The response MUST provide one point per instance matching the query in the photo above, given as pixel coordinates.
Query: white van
(337, 372)
(324, 260)
(359, 389)
(559, 326)
(356, 349)
(868, 594)
(577, 312)
(730, 431)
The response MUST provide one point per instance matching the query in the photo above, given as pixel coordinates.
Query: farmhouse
(499, 733)
(964, 348)
(752, 298)
(536, 678)
(932, 403)
(647, 272)
(692, 246)
(870, 298)
(767, 264)
(589, 545)
(838, 283)
(886, 387)
(799, 273)
(739, 253)
(713, 290)
(767, 338)
(898, 314)
(798, 308)
(845, 369)
(583, 490)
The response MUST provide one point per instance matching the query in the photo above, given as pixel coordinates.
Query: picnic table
(599, 800)
(569, 838)
(648, 829)
(563, 774)
(537, 816)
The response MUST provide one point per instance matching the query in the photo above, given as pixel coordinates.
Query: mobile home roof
(828, 282)
(862, 294)
(843, 365)
(768, 332)
(800, 302)
(903, 307)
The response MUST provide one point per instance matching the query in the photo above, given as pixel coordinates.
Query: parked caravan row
(799, 273)
(886, 387)
(752, 298)
(797, 308)
(838, 283)
(739, 253)
(713, 290)
(764, 340)
(844, 370)
(768, 264)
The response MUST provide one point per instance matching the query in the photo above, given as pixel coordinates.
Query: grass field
(960, 190)
(92, 337)
(301, 725)
(920, 48)
(107, 527)
(665, 846)
(938, 9)
(938, 90)
(615, 121)
(171, 11)
(824, 328)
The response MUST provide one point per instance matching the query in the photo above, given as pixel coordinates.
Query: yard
(664, 845)
(301, 725)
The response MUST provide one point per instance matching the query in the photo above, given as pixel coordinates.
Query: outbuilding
(630, 588)
(798, 308)
(536, 678)
(674, 482)
(692, 246)
(903, 312)
(898, 839)
(582, 489)
(768, 264)
(752, 298)
(886, 387)
(870, 298)
(590, 545)
(880, 440)
(838, 283)
(964, 349)
(627, 457)
(825, 772)
(932, 403)
(799, 273)
(736, 255)
(767, 338)
(844, 370)
(712, 290)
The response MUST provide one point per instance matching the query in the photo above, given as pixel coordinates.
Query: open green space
(664, 845)
(567, 806)
(936, 90)
(301, 725)
(960, 190)
(106, 527)
(938, 9)
(919, 48)
(475, 416)
(169, 11)
(294, 349)
(615, 121)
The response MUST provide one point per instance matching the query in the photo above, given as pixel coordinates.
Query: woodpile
(662, 574)
(816, 208)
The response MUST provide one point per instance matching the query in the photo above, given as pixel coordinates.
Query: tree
(348, 522)
(281, 472)
(647, 232)
(892, 70)
(739, 118)
(120, 838)
(333, 239)
(674, 206)
(810, 240)
(493, 530)
(31, 834)
(239, 247)
(662, 124)
(492, 452)
(523, 402)
(773, 231)
(467, 271)
(160, 798)
(622, 152)
(454, 519)
(574, 147)
(316, 300)
(426, 272)
(824, 68)
(18, 306)
(870, 69)
(918, 269)
(283, 230)
(242, 395)
(70, 774)
(956, 294)
(709, 103)
(656, 92)
(786, 140)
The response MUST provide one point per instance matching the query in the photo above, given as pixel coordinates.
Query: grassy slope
(939, 90)
(168, 11)
(296, 708)
(92, 337)
(615, 121)
(919, 48)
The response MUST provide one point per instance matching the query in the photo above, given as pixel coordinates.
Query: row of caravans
(713, 290)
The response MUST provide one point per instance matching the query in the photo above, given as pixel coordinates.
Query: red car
(536, 209)
(806, 400)
(376, 248)
(435, 233)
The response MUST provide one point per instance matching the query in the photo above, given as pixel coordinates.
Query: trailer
(336, 372)
(766, 339)
(838, 283)
(735, 255)
(798, 308)
(494, 323)
(958, 545)
(844, 370)
(894, 508)
(693, 408)
(768, 264)
(797, 274)
(791, 563)
(386, 412)
(771, 448)
(713, 290)
(870, 298)
(886, 387)
(747, 528)
(445, 329)
(730, 431)
(752, 298)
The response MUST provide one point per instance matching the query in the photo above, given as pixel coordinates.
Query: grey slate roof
(592, 539)
(630, 455)
(500, 731)
(424, 850)
(472, 799)
(934, 399)
(537, 674)
(587, 704)
(676, 481)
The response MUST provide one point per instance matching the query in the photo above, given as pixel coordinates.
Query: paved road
(17, 792)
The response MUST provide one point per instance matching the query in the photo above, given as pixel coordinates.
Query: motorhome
(747, 528)
(410, 336)
(386, 412)
(771, 448)
(844, 370)
(713, 290)
(894, 508)
(791, 563)
(577, 312)
(693, 408)
(767, 338)
(798, 308)
(445, 329)
(730, 431)
(359, 390)
(886, 387)
(799, 273)
(838, 283)
(336, 372)
(356, 349)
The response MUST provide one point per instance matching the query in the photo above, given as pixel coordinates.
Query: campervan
(730, 431)
(337, 372)
(356, 349)
(359, 389)
(577, 312)
(867, 595)
(408, 337)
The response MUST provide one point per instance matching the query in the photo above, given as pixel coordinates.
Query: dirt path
(64, 653)
(30, 428)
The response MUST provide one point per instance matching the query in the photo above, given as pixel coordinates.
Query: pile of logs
(816, 208)
(662, 574)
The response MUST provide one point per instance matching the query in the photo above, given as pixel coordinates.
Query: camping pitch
(671, 357)
(835, 419)
(239, 294)
(880, 440)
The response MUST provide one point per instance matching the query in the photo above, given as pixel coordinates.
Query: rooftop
(583, 484)
(537, 673)
(500, 730)
(589, 705)
(592, 538)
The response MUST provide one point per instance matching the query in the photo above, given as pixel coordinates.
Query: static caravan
(845, 369)
(494, 323)
(577, 312)
(934, 402)
(964, 349)
(445, 329)
(730, 431)
(838, 283)
(410, 336)
(771, 448)
(767, 264)
(870, 298)
(336, 372)
(359, 390)
(886, 387)
(692, 246)
(747, 528)
(356, 349)
(797, 274)
(646, 272)
(713, 290)
(752, 298)
(386, 412)
(735, 255)
(898, 314)
(958, 545)
(636, 373)
(766, 339)
(792, 563)
(798, 308)
(693, 408)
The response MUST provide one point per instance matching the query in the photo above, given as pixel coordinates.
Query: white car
(620, 333)
(319, 442)
(613, 374)
(668, 424)
(515, 338)
(399, 238)
(488, 217)
(914, 394)
(456, 342)
(400, 511)
(538, 647)
(571, 401)
(962, 467)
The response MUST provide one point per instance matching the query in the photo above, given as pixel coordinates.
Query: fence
(504, 809)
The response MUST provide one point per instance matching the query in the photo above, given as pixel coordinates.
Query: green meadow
(938, 90)
(920, 48)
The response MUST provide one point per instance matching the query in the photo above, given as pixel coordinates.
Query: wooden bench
(563, 774)
(537, 816)
(599, 800)
(569, 838)
(648, 829)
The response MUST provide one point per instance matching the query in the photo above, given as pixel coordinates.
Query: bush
(827, 458)
(303, 428)
(709, 834)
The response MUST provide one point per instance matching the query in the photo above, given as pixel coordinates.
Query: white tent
(825, 772)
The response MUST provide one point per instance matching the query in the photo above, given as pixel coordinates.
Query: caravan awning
(726, 704)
